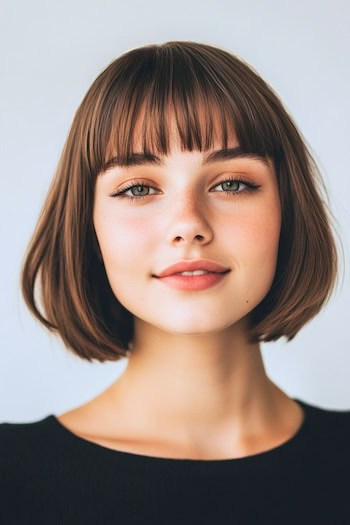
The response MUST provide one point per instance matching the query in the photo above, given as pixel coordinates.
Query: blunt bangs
(153, 88)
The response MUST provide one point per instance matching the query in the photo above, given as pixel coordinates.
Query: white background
(50, 54)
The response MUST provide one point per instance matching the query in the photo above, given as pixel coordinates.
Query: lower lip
(192, 283)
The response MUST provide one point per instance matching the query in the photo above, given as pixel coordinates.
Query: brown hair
(78, 301)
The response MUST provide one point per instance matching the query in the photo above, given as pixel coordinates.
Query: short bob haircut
(78, 301)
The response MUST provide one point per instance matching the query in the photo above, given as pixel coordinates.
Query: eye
(232, 183)
(140, 186)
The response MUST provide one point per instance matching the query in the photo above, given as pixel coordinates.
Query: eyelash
(121, 194)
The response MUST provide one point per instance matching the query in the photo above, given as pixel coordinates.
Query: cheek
(254, 243)
(255, 236)
(122, 241)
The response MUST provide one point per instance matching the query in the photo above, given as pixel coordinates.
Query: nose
(189, 224)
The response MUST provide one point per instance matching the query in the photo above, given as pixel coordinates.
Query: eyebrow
(143, 159)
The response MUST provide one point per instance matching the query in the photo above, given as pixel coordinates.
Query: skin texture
(193, 386)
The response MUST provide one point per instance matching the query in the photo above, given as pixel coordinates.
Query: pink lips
(191, 266)
(170, 276)
(192, 283)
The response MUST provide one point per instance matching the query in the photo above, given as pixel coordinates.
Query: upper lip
(191, 266)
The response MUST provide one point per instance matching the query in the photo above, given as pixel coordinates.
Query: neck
(190, 387)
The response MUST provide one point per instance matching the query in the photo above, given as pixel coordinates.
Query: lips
(191, 266)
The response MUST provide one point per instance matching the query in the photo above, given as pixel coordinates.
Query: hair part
(140, 90)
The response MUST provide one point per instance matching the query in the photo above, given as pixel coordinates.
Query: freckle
(247, 301)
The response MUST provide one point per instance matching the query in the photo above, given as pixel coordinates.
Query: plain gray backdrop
(51, 52)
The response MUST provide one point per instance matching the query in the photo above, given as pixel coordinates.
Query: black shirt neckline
(284, 449)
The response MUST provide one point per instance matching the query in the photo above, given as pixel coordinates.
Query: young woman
(185, 225)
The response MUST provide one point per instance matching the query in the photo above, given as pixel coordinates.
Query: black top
(48, 475)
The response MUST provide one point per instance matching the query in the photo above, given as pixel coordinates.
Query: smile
(192, 281)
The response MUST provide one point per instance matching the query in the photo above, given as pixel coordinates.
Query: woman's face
(186, 214)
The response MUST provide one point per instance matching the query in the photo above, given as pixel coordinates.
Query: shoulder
(14, 434)
(326, 459)
(331, 419)
(330, 430)
(26, 446)
(326, 416)
(23, 456)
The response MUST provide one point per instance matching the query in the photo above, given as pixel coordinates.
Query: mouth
(189, 267)
(191, 274)
(196, 281)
